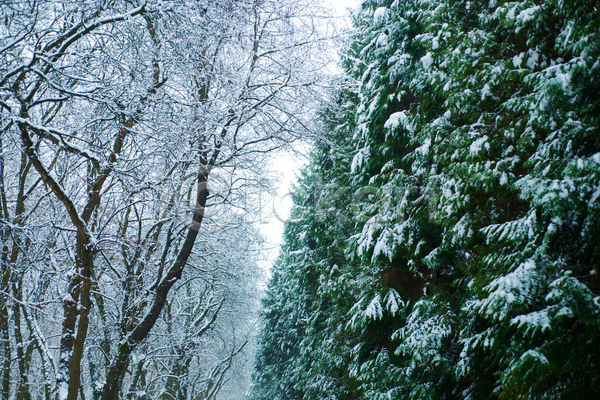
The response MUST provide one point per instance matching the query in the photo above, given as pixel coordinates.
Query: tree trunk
(6, 353)
(4, 335)
(76, 312)
(22, 354)
(141, 331)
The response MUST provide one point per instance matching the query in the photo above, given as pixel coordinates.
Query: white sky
(342, 5)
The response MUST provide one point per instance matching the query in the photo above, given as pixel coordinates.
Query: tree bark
(4, 336)
(77, 311)
(7, 353)
(22, 354)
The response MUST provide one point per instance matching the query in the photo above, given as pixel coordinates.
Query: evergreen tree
(454, 242)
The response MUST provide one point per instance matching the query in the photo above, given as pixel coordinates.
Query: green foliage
(454, 238)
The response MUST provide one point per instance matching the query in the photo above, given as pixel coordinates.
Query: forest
(135, 137)
(444, 237)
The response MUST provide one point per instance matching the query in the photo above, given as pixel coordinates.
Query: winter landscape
(443, 240)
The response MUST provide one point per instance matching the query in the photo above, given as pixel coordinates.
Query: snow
(532, 61)
(374, 309)
(357, 161)
(511, 13)
(535, 320)
(424, 149)
(393, 301)
(516, 287)
(535, 354)
(518, 60)
(477, 145)
(380, 15)
(527, 14)
(486, 91)
(522, 227)
(564, 311)
(398, 119)
(382, 40)
(402, 59)
(366, 236)
(63, 391)
(423, 332)
(594, 197)
(460, 229)
(564, 79)
(447, 86)
(381, 247)
(427, 60)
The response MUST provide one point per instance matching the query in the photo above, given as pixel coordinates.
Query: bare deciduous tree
(114, 114)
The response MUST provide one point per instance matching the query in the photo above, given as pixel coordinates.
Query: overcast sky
(341, 5)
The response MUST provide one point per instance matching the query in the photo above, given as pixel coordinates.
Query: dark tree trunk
(141, 331)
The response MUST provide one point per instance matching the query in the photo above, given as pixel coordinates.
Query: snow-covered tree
(470, 248)
(115, 118)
